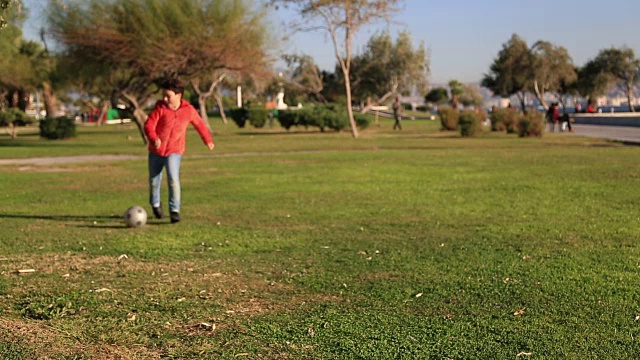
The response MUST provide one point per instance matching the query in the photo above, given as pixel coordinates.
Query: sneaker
(157, 212)
(175, 217)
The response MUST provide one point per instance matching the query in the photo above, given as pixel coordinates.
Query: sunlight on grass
(412, 244)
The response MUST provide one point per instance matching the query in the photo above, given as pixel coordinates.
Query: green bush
(57, 128)
(449, 118)
(239, 116)
(362, 121)
(504, 120)
(323, 117)
(531, 125)
(15, 117)
(469, 123)
(424, 108)
(258, 116)
(288, 118)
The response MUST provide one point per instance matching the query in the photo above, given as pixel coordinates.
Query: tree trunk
(14, 101)
(219, 103)
(347, 87)
(103, 112)
(140, 118)
(14, 130)
(202, 103)
(50, 103)
(139, 115)
(380, 100)
(629, 90)
(521, 97)
(540, 95)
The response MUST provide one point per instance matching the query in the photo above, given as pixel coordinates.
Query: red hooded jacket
(170, 126)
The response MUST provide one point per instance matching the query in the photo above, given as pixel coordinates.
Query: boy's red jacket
(170, 126)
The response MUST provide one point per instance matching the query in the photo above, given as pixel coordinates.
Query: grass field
(399, 245)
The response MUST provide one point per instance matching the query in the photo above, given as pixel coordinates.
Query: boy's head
(172, 92)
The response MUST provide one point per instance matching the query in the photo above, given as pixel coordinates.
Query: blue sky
(464, 36)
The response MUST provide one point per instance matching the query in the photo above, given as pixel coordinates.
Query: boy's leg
(156, 163)
(173, 176)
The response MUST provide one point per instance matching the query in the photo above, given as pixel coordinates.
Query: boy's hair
(174, 85)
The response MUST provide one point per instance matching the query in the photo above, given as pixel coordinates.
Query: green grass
(407, 245)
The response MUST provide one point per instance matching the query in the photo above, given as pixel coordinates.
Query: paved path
(629, 135)
(626, 134)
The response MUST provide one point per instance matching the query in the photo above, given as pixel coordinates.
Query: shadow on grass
(82, 218)
(61, 217)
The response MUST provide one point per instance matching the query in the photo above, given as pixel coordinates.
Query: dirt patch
(46, 342)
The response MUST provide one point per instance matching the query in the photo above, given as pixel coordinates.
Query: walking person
(166, 129)
(397, 111)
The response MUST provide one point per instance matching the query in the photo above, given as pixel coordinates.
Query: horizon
(465, 52)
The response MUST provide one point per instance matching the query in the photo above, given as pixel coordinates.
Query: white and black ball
(135, 217)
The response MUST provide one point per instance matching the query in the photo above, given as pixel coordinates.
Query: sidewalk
(625, 134)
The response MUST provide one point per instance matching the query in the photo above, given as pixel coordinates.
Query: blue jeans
(156, 164)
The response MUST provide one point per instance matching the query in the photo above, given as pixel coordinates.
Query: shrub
(288, 118)
(57, 128)
(323, 117)
(531, 125)
(448, 118)
(257, 116)
(239, 116)
(424, 108)
(362, 121)
(469, 123)
(504, 120)
(14, 117)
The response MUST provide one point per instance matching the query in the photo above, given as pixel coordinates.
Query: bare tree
(342, 19)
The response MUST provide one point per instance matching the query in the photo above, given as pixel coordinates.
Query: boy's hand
(157, 143)
(211, 146)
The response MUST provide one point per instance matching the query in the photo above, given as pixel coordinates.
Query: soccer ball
(135, 216)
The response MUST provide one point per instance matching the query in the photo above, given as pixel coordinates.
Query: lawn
(305, 245)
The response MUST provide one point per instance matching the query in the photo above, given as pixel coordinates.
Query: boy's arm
(151, 124)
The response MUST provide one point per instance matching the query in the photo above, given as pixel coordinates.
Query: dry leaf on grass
(519, 312)
(26, 271)
(203, 326)
(524, 354)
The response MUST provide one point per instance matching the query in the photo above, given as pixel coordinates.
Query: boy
(166, 129)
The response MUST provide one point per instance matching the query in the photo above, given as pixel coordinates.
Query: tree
(386, 69)
(305, 76)
(471, 96)
(342, 19)
(552, 68)
(456, 89)
(510, 72)
(437, 96)
(617, 66)
(5, 7)
(134, 43)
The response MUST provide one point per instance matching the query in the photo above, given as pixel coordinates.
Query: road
(626, 134)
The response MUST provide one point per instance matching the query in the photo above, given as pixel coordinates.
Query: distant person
(591, 108)
(578, 108)
(166, 129)
(397, 114)
(553, 116)
(565, 119)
